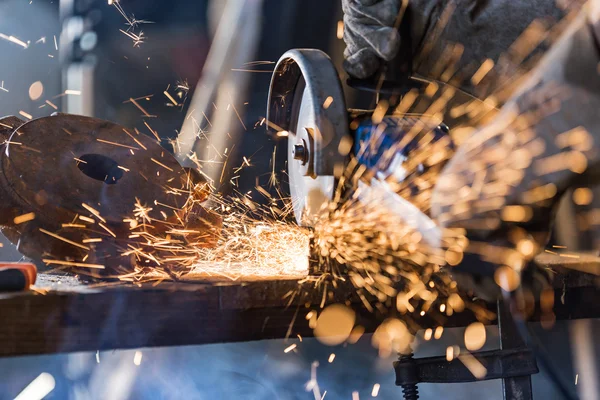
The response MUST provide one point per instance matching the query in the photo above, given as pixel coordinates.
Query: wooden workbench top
(67, 315)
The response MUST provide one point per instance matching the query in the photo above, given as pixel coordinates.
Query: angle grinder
(325, 138)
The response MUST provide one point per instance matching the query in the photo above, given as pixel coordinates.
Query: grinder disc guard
(307, 101)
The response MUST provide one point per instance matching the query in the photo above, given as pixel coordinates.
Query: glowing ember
(392, 336)
(255, 249)
(334, 325)
(475, 336)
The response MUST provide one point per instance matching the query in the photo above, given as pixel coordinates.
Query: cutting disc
(306, 101)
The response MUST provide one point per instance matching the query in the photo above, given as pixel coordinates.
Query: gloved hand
(370, 35)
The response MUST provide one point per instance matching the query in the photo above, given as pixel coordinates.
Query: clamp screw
(410, 391)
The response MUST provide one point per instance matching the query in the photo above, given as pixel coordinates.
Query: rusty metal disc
(64, 161)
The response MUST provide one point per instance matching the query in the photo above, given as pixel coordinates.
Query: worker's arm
(484, 28)
(504, 183)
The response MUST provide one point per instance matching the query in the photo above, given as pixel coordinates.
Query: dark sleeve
(485, 28)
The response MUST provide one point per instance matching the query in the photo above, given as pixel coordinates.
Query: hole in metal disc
(100, 168)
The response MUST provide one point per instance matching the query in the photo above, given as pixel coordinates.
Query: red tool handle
(17, 276)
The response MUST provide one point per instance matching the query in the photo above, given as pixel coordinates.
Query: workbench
(68, 315)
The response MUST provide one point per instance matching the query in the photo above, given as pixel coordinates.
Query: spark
(117, 144)
(135, 103)
(137, 358)
(428, 334)
(375, 391)
(54, 235)
(75, 225)
(55, 43)
(147, 98)
(39, 388)
(206, 118)
(152, 131)
(73, 264)
(340, 29)
(141, 211)
(250, 70)
(475, 336)
(95, 212)
(107, 230)
(135, 140)
(137, 39)
(273, 180)
(24, 218)
(483, 70)
(171, 99)
(331, 358)
(14, 39)
(473, 365)
(51, 104)
(238, 114)
(161, 164)
(26, 115)
(569, 255)
(290, 348)
(73, 92)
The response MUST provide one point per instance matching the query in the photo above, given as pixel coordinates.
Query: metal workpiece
(71, 186)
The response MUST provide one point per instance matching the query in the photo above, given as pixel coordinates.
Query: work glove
(504, 183)
(370, 35)
(372, 38)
